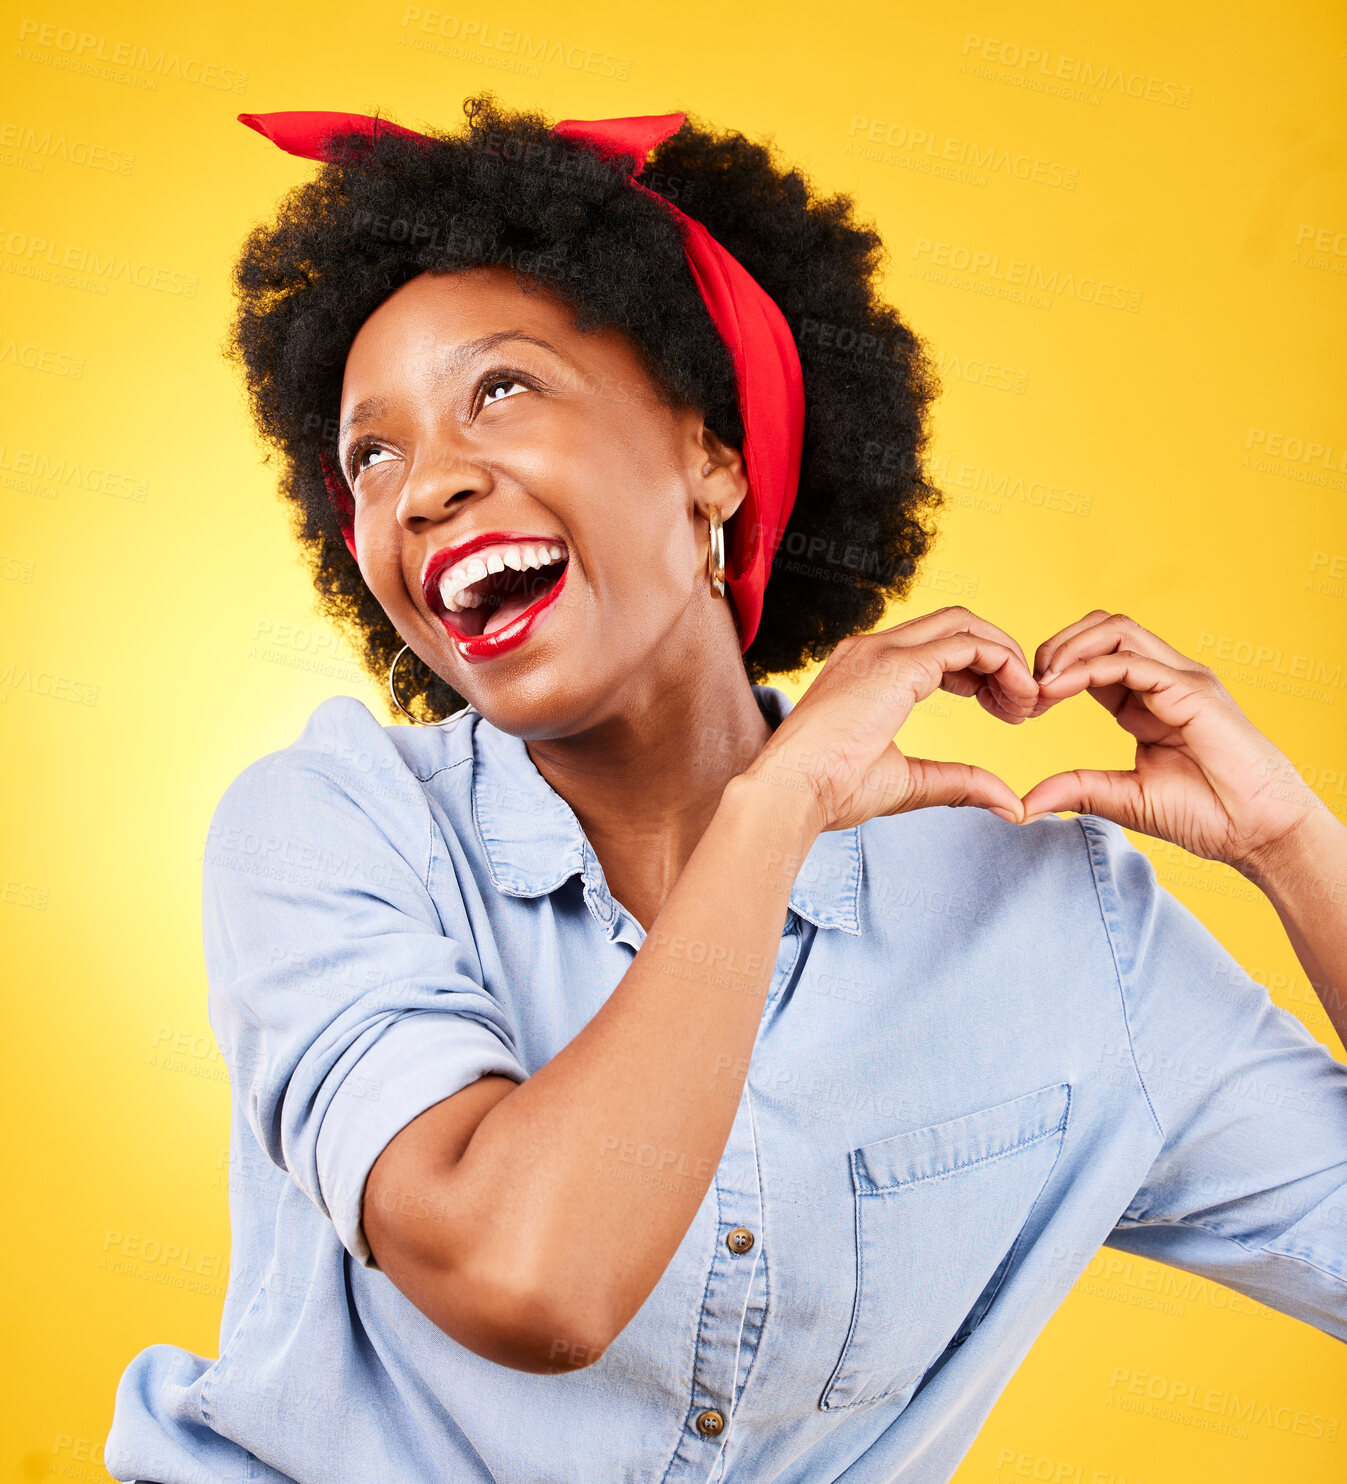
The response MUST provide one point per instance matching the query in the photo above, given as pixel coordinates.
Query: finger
(1102, 633)
(962, 663)
(1044, 650)
(997, 703)
(991, 694)
(953, 620)
(1115, 796)
(935, 781)
(1099, 632)
(996, 673)
(994, 696)
(1175, 697)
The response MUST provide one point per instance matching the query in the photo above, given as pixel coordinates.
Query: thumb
(1115, 796)
(935, 781)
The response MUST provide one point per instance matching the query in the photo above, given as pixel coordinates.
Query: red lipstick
(512, 634)
(480, 647)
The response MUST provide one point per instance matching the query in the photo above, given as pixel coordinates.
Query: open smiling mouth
(497, 585)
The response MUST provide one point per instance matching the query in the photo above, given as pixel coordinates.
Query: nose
(438, 484)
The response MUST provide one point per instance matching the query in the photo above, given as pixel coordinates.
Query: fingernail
(1002, 814)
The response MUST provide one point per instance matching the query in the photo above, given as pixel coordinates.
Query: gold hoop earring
(715, 556)
(392, 691)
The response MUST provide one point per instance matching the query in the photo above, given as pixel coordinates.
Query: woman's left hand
(1205, 778)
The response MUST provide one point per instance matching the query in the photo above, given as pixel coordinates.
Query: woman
(638, 1077)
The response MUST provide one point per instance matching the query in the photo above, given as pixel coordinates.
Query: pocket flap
(941, 1148)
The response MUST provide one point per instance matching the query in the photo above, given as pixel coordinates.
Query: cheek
(638, 510)
(380, 556)
(376, 507)
(369, 536)
(653, 564)
(633, 518)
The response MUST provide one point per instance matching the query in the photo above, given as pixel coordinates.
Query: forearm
(588, 1175)
(1305, 879)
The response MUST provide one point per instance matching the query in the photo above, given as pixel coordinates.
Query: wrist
(780, 801)
(1300, 853)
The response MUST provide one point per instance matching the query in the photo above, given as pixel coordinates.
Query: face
(530, 510)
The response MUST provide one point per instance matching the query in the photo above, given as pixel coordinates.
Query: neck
(645, 782)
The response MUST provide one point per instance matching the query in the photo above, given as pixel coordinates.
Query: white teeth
(522, 557)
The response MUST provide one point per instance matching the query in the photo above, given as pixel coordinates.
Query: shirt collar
(534, 842)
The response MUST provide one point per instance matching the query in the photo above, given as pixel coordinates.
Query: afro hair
(504, 190)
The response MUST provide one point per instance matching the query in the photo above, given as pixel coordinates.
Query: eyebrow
(373, 407)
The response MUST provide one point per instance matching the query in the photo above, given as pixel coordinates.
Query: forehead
(420, 332)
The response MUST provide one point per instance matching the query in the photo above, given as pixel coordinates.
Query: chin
(541, 703)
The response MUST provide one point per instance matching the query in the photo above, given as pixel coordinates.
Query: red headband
(766, 363)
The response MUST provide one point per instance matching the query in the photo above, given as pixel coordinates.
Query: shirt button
(739, 1240)
(710, 1423)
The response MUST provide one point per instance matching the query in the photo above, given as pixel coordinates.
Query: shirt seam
(739, 1388)
(430, 865)
(428, 819)
(458, 762)
(1265, 1249)
(703, 1324)
(1089, 835)
(971, 1164)
(1008, 1263)
(222, 1365)
(337, 779)
(384, 828)
(855, 903)
(762, 1228)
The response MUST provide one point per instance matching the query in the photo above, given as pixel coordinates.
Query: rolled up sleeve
(342, 1008)
(1249, 1187)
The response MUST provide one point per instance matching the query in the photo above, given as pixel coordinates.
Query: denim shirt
(986, 1050)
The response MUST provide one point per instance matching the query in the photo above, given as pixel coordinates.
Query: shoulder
(1061, 885)
(980, 858)
(345, 766)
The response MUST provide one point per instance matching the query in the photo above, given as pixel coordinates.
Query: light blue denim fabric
(986, 1050)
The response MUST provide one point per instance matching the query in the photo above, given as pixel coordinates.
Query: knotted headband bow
(766, 363)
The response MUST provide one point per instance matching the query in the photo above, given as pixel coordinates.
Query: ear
(721, 478)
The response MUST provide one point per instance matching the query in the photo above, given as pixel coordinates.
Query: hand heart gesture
(1204, 778)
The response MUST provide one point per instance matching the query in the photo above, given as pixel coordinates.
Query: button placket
(787, 956)
(755, 1308)
(729, 1333)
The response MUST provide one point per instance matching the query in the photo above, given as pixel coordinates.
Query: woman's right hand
(835, 749)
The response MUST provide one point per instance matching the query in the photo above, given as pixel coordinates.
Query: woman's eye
(501, 388)
(364, 454)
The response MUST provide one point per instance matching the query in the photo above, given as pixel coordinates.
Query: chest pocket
(938, 1210)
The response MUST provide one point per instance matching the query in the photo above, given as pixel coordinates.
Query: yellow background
(149, 556)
